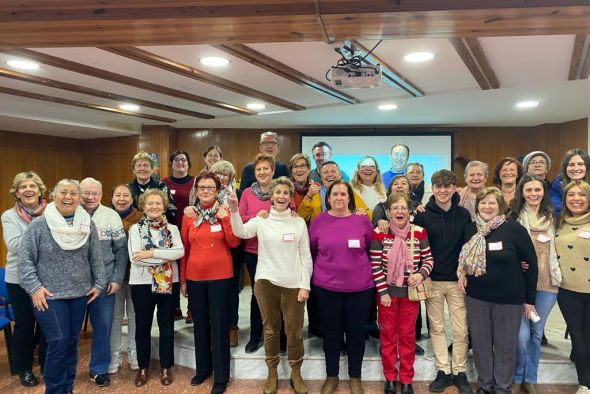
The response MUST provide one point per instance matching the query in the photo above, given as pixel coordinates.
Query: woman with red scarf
(27, 190)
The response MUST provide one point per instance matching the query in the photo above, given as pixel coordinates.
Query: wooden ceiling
(124, 23)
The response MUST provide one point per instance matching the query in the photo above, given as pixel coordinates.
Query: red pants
(396, 324)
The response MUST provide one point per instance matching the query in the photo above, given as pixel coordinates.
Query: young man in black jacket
(445, 221)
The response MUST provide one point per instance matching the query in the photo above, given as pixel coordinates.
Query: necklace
(211, 239)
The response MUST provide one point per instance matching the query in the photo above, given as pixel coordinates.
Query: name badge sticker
(289, 237)
(354, 243)
(495, 246)
(172, 191)
(584, 234)
(215, 228)
(543, 238)
(85, 228)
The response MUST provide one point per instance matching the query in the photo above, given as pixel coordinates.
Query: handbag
(424, 290)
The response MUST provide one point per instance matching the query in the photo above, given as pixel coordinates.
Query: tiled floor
(122, 382)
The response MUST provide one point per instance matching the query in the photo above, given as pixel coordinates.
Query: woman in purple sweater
(342, 280)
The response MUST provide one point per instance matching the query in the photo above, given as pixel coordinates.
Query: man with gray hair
(113, 247)
(269, 145)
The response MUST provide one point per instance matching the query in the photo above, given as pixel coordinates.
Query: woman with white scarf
(532, 208)
(61, 269)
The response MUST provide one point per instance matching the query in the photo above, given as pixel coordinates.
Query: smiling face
(91, 196)
(67, 199)
(212, 157)
(475, 179)
(320, 155)
(399, 213)
(367, 173)
(263, 173)
(224, 178)
(538, 166)
(508, 173)
(443, 193)
(281, 198)
(415, 175)
(339, 198)
(300, 171)
(206, 191)
(270, 146)
(122, 199)
(330, 173)
(488, 208)
(399, 158)
(180, 165)
(577, 201)
(533, 193)
(142, 169)
(400, 185)
(576, 168)
(28, 193)
(153, 207)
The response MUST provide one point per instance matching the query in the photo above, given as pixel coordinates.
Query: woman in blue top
(573, 168)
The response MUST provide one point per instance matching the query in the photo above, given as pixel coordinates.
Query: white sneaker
(115, 363)
(583, 390)
(132, 360)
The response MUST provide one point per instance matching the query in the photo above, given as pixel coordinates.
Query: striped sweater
(380, 246)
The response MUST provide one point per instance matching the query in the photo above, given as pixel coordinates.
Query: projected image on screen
(434, 152)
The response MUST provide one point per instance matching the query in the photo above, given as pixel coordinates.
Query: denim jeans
(123, 303)
(61, 323)
(529, 339)
(101, 318)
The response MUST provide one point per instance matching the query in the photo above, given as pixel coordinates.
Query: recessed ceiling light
(129, 107)
(416, 57)
(23, 64)
(214, 61)
(527, 104)
(387, 107)
(256, 106)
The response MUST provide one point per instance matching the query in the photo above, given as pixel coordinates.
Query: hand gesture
(420, 209)
(262, 214)
(92, 295)
(190, 212)
(112, 288)
(314, 188)
(303, 295)
(222, 212)
(386, 300)
(39, 300)
(360, 212)
(383, 226)
(232, 201)
(415, 279)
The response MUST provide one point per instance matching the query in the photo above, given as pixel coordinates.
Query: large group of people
(356, 255)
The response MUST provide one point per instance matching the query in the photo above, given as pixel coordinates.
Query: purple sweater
(338, 267)
(249, 207)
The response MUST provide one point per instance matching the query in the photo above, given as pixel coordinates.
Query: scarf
(417, 193)
(531, 221)
(399, 260)
(302, 189)
(262, 196)
(223, 195)
(125, 213)
(28, 215)
(472, 259)
(161, 274)
(206, 214)
(68, 237)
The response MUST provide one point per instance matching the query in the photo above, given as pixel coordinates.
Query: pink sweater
(249, 208)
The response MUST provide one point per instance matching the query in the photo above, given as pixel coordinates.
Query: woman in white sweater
(282, 277)
(154, 247)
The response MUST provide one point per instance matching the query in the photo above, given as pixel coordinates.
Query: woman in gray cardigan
(60, 268)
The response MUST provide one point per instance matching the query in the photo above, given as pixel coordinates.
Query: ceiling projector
(347, 77)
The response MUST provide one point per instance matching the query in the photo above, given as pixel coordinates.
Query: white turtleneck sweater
(284, 258)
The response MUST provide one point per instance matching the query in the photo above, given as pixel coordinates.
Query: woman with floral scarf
(154, 247)
(498, 290)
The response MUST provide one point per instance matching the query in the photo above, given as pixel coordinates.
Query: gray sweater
(13, 228)
(113, 243)
(65, 273)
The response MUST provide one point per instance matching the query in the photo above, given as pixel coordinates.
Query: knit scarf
(417, 193)
(28, 215)
(398, 258)
(262, 196)
(472, 259)
(531, 221)
(223, 195)
(161, 274)
(302, 189)
(206, 214)
(68, 237)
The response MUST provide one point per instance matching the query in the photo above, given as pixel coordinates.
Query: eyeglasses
(88, 194)
(268, 143)
(180, 160)
(206, 188)
(538, 163)
(297, 167)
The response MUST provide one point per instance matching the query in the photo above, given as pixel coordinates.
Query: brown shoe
(233, 336)
(356, 386)
(166, 377)
(272, 381)
(141, 378)
(330, 385)
(530, 388)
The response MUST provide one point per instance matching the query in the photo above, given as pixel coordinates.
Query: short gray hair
(476, 163)
(270, 134)
(282, 181)
(414, 164)
(65, 182)
(90, 181)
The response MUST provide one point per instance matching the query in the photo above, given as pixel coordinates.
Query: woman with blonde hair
(367, 183)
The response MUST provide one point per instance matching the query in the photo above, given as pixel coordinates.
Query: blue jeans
(101, 318)
(61, 323)
(529, 339)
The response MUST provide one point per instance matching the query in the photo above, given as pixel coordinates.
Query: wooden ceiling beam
(580, 58)
(390, 75)
(472, 54)
(98, 107)
(151, 59)
(126, 23)
(98, 93)
(122, 79)
(282, 70)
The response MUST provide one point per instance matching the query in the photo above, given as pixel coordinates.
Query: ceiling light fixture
(23, 64)
(527, 104)
(417, 57)
(387, 107)
(256, 106)
(129, 107)
(214, 61)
